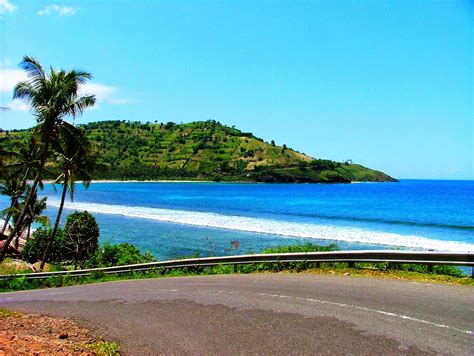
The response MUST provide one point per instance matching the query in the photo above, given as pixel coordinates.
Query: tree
(3, 155)
(10, 188)
(34, 247)
(76, 161)
(273, 142)
(23, 167)
(52, 96)
(35, 215)
(82, 235)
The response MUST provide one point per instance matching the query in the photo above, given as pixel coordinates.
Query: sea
(176, 219)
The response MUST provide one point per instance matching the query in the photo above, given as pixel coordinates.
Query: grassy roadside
(15, 284)
(120, 255)
(396, 274)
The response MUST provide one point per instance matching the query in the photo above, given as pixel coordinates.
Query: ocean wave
(270, 226)
(385, 221)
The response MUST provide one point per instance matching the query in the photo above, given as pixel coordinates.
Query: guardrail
(416, 257)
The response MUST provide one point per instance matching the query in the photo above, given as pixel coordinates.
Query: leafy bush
(34, 248)
(435, 269)
(76, 243)
(82, 234)
(306, 247)
(116, 255)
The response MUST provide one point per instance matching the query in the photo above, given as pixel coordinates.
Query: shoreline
(200, 181)
(151, 181)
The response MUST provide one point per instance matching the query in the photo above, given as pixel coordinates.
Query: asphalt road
(266, 314)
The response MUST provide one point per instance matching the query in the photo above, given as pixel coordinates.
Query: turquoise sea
(183, 219)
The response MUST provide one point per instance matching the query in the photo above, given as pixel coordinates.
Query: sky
(388, 84)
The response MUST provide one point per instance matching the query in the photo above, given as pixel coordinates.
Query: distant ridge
(207, 150)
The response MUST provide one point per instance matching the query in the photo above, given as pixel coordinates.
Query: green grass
(109, 255)
(8, 267)
(4, 313)
(365, 270)
(104, 348)
(205, 150)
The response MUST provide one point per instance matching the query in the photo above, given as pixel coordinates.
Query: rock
(63, 336)
(37, 265)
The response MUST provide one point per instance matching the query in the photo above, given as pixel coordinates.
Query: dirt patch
(30, 334)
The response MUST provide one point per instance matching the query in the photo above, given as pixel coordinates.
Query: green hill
(207, 150)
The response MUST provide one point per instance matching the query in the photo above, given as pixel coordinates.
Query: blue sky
(387, 84)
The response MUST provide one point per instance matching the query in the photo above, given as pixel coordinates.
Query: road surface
(265, 314)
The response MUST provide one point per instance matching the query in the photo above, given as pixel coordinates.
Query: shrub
(306, 247)
(34, 248)
(82, 234)
(116, 255)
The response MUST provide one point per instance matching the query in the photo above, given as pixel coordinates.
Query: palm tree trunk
(9, 215)
(29, 233)
(18, 225)
(15, 202)
(17, 240)
(56, 223)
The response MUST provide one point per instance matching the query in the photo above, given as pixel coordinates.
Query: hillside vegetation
(205, 150)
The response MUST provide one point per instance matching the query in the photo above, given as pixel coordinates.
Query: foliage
(77, 242)
(52, 95)
(444, 270)
(104, 348)
(35, 246)
(111, 255)
(82, 235)
(341, 269)
(9, 266)
(116, 255)
(5, 313)
(205, 150)
(306, 247)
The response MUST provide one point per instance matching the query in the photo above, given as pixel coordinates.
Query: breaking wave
(271, 226)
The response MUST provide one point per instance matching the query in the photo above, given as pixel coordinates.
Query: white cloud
(6, 7)
(58, 10)
(17, 105)
(102, 92)
(10, 77)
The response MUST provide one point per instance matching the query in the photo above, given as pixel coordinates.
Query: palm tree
(11, 188)
(34, 215)
(76, 161)
(25, 164)
(3, 155)
(52, 96)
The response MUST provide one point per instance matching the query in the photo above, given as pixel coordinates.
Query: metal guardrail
(397, 256)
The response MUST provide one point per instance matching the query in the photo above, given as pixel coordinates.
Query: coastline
(141, 181)
(151, 181)
(200, 181)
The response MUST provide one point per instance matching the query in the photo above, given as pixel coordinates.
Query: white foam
(269, 226)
